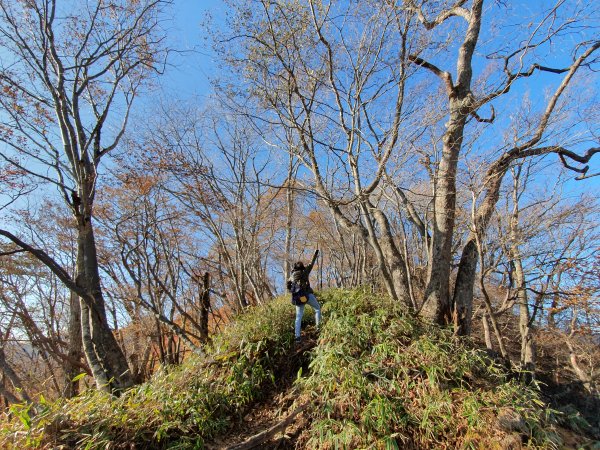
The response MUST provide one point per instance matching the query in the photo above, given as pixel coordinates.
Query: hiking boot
(298, 340)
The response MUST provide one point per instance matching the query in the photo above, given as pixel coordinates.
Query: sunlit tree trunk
(104, 355)
(460, 101)
(437, 293)
(486, 332)
(289, 215)
(75, 347)
(527, 341)
(467, 267)
(394, 260)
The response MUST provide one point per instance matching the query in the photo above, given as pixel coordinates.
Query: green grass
(181, 407)
(378, 378)
(382, 379)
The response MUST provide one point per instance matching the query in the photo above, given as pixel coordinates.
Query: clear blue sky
(188, 78)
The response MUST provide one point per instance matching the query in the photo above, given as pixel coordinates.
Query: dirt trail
(269, 415)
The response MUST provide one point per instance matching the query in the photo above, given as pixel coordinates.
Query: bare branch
(485, 120)
(49, 262)
(445, 76)
(454, 10)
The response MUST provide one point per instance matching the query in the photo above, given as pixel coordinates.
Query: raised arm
(312, 263)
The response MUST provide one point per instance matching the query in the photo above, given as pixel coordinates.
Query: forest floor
(272, 422)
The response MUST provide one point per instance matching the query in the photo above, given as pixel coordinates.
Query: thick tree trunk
(437, 293)
(437, 304)
(463, 290)
(467, 268)
(394, 259)
(105, 357)
(75, 347)
(96, 366)
(379, 253)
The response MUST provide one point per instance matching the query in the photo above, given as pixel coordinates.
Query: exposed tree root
(266, 435)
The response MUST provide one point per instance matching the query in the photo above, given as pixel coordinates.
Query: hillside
(372, 377)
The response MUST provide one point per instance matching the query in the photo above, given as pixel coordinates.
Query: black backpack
(299, 297)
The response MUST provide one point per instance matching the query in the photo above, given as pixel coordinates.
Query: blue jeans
(312, 301)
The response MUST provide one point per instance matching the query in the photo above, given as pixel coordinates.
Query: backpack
(299, 297)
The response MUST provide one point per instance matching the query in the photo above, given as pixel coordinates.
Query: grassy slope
(179, 408)
(378, 379)
(383, 378)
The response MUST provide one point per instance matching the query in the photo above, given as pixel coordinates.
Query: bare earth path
(274, 422)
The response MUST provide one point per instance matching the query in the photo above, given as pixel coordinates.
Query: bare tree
(35, 343)
(16, 392)
(536, 237)
(335, 75)
(544, 232)
(148, 258)
(514, 250)
(68, 83)
(292, 174)
(465, 99)
(219, 175)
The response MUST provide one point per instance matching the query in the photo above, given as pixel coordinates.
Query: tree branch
(485, 120)
(445, 76)
(455, 10)
(48, 261)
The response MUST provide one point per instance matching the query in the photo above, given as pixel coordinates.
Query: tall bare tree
(334, 75)
(36, 343)
(219, 174)
(465, 96)
(148, 260)
(69, 78)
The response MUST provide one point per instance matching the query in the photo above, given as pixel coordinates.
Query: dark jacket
(299, 277)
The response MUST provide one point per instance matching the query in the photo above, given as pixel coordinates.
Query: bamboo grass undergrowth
(378, 378)
(180, 407)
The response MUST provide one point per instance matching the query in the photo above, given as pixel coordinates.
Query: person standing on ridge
(299, 285)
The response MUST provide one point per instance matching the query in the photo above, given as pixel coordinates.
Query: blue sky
(188, 77)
